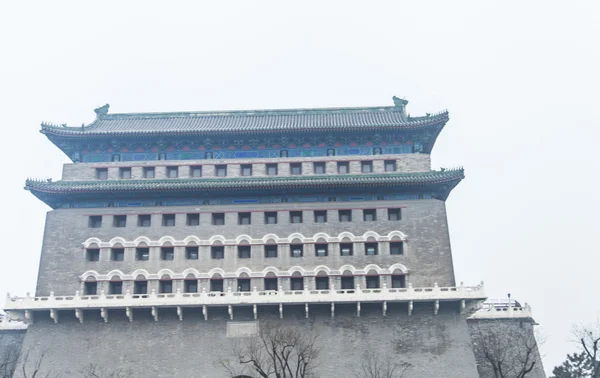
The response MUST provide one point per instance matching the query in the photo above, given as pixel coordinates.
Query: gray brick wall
(11, 342)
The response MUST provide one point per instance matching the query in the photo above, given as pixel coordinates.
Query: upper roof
(248, 122)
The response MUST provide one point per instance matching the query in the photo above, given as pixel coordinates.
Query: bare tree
(31, 366)
(373, 365)
(277, 351)
(96, 371)
(588, 337)
(509, 352)
(9, 356)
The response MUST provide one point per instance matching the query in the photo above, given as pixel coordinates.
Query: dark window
(142, 254)
(196, 171)
(117, 254)
(321, 250)
(283, 153)
(246, 170)
(295, 168)
(366, 166)
(244, 218)
(220, 170)
(346, 249)
(272, 170)
(208, 155)
(92, 254)
(319, 168)
(243, 284)
(296, 250)
(376, 151)
(115, 157)
(217, 252)
(167, 253)
(140, 287)
(295, 216)
(119, 221)
(144, 220)
(398, 281)
(102, 173)
(271, 218)
(297, 283)
(320, 216)
(218, 219)
(168, 220)
(216, 285)
(347, 282)
(148, 172)
(243, 251)
(271, 283)
(125, 173)
(190, 286)
(162, 156)
(380, 198)
(191, 253)
(172, 172)
(345, 215)
(95, 221)
(372, 282)
(369, 215)
(394, 214)
(91, 288)
(343, 167)
(322, 283)
(331, 199)
(371, 249)
(390, 165)
(115, 287)
(270, 251)
(330, 152)
(396, 248)
(165, 286)
(193, 219)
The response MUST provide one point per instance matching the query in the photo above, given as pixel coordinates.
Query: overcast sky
(520, 80)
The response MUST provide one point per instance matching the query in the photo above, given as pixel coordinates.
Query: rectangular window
(165, 286)
(320, 216)
(217, 252)
(296, 250)
(272, 170)
(95, 221)
(191, 253)
(102, 173)
(346, 249)
(92, 254)
(319, 168)
(390, 165)
(167, 253)
(117, 254)
(115, 287)
(270, 251)
(371, 249)
(321, 250)
(216, 285)
(296, 168)
(220, 170)
(372, 282)
(295, 216)
(271, 217)
(172, 172)
(119, 220)
(193, 219)
(271, 283)
(196, 171)
(140, 287)
(396, 248)
(347, 283)
(91, 288)
(144, 220)
(297, 283)
(369, 215)
(322, 283)
(142, 254)
(243, 284)
(345, 215)
(244, 218)
(394, 214)
(168, 220)
(148, 172)
(125, 173)
(366, 166)
(330, 152)
(243, 251)
(343, 167)
(246, 170)
(398, 281)
(218, 219)
(190, 286)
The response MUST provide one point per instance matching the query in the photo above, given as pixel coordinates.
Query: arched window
(115, 286)
(322, 281)
(140, 286)
(243, 282)
(297, 281)
(90, 287)
(372, 279)
(347, 280)
(398, 279)
(271, 281)
(190, 284)
(165, 284)
(216, 282)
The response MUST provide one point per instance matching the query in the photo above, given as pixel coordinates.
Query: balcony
(508, 310)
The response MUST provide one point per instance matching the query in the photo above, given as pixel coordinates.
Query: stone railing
(7, 324)
(502, 311)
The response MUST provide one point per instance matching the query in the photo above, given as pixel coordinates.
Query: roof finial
(103, 110)
(400, 102)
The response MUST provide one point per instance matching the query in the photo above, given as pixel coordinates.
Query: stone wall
(10, 348)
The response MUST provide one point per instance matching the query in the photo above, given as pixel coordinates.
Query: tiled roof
(245, 122)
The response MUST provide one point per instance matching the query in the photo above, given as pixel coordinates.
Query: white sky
(520, 79)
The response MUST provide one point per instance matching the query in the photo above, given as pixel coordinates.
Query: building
(172, 235)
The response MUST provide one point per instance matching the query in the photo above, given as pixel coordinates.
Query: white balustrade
(495, 311)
